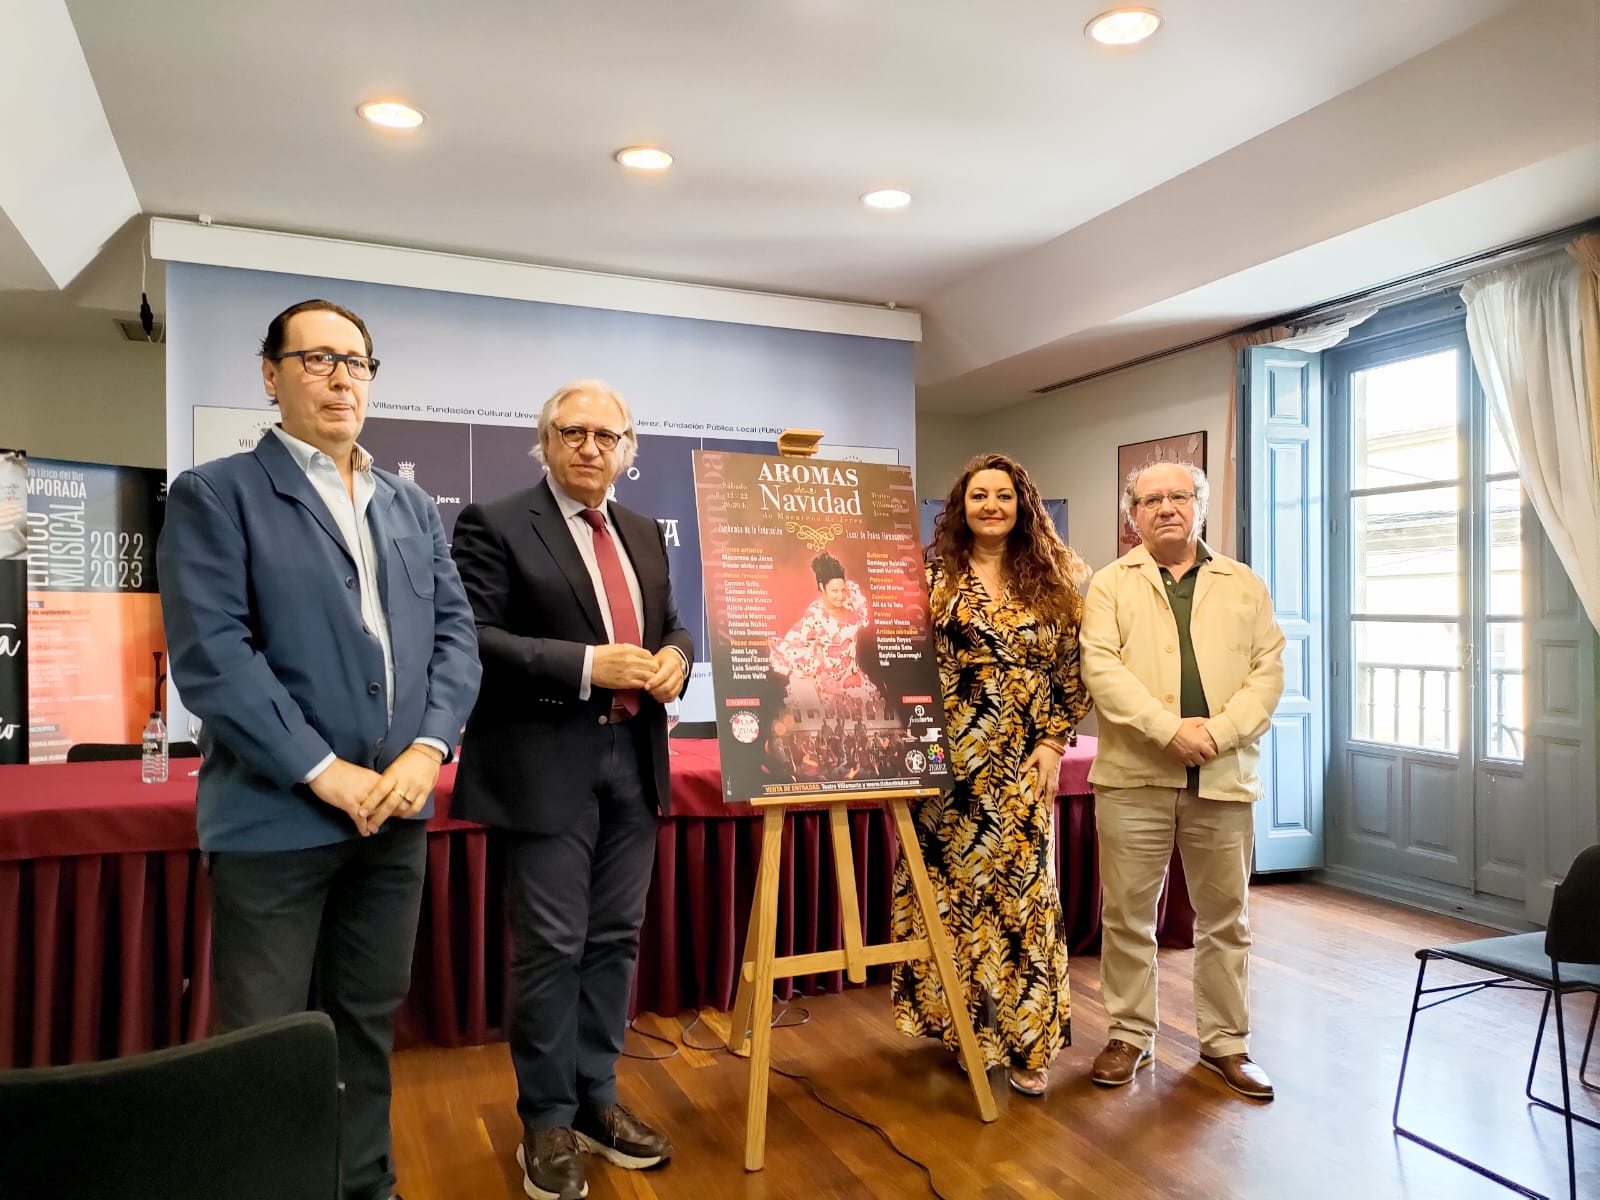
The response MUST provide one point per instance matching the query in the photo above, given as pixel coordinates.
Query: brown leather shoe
(1239, 1073)
(616, 1134)
(552, 1165)
(1118, 1063)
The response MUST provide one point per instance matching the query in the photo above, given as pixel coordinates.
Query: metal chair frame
(1553, 988)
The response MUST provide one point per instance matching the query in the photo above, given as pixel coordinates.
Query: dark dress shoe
(618, 1136)
(552, 1165)
(1239, 1073)
(1118, 1063)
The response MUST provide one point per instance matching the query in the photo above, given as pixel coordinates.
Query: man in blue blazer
(318, 628)
(566, 753)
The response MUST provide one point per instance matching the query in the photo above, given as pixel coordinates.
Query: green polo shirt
(1191, 692)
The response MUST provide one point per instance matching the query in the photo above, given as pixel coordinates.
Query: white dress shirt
(349, 513)
(583, 537)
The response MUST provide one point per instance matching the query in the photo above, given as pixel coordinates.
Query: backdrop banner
(456, 403)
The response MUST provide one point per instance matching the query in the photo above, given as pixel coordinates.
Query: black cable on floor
(778, 1022)
(633, 1026)
(859, 1120)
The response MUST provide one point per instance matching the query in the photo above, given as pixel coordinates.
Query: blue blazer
(263, 620)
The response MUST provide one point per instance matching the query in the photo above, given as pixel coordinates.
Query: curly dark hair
(1041, 570)
(826, 567)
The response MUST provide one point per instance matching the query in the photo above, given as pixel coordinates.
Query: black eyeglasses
(326, 362)
(576, 435)
(1181, 498)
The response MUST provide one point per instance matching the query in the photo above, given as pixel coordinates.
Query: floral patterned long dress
(1009, 679)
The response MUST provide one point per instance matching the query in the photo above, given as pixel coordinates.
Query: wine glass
(674, 715)
(194, 736)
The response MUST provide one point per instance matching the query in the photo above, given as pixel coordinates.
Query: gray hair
(1202, 487)
(599, 389)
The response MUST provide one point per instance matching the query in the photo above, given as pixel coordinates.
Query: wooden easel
(750, 1031)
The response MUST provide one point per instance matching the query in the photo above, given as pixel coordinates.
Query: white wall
(1068, 440)
(944, 444)
(84, 401)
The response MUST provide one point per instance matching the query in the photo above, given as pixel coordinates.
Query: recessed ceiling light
(886, 198)
(644, 158)
(391, 114)
(1124, 26)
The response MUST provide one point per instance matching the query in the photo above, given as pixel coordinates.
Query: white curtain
(1525, 325)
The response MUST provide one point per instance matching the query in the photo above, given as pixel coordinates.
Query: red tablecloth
(105, 916)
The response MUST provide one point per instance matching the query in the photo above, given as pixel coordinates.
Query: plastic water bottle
(154, 758)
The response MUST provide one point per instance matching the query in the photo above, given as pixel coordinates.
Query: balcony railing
(1416, 704)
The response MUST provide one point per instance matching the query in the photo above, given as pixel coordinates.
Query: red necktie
(624, 621)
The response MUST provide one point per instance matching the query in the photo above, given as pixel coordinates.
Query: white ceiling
(1075, 206)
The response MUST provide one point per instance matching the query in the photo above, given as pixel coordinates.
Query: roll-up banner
(93, 611)
(13, 606)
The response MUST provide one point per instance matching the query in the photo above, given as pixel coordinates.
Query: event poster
(13, 606)
(94, 614)
(819, 637)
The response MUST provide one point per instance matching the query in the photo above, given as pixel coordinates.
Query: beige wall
(943, 446)
(85, 401)
(1068, 440)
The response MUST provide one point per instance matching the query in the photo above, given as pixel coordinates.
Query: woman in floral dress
(1005, 624)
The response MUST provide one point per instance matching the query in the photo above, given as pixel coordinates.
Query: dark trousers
(349, 910)
(576, 902)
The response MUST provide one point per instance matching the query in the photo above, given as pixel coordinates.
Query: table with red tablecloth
(105, 920)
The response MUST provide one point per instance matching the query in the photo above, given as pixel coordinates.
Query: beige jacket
(1130, 663)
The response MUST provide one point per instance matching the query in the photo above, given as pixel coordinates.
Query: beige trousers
(1137, 829)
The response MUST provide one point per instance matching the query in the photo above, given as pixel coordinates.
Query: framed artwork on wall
(1183, 447)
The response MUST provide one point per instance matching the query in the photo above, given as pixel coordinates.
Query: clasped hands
(368, 798)
(1193, 743)
(620, 667)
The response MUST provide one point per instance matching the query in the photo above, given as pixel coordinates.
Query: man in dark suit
(318, 629)
(566, 751)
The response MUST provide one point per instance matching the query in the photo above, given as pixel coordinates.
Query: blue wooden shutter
(1281, 536)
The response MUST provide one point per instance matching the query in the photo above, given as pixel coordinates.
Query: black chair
(251, 1115)
(1563, 960)
(124, 752)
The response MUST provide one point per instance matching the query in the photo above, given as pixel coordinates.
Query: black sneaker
(618, 1136)
(552, 1165)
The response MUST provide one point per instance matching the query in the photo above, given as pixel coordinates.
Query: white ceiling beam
(402, 266)
(1517, 90)
(1527, 203)
(63, 185)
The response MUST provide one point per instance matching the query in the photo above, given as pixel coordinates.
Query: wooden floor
(1331, 984)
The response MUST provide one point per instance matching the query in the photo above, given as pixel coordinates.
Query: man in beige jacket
(1185, 663)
